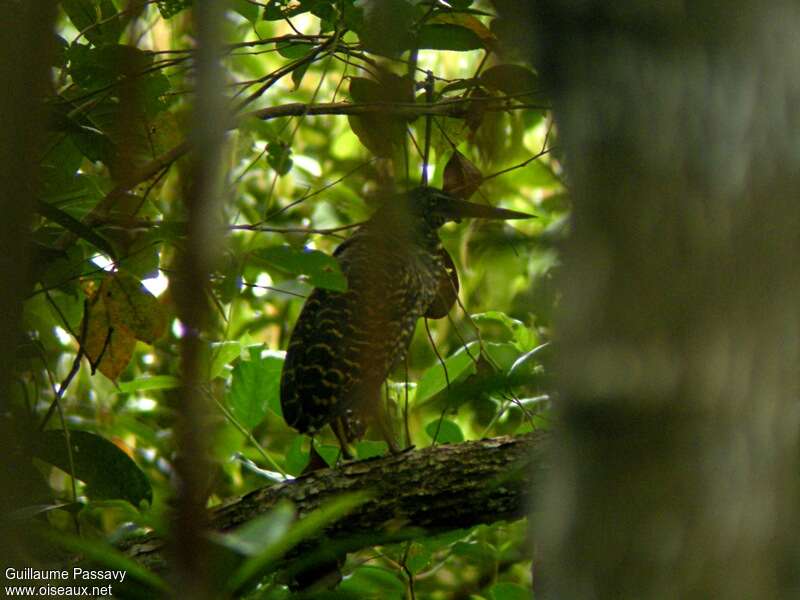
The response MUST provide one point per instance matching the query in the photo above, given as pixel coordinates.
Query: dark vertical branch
(676, 470)
(428, 126)
(193, 466)
(25, 55)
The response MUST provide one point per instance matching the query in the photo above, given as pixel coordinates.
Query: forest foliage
(332, 103)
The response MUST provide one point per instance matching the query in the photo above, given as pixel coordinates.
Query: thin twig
(446, 379)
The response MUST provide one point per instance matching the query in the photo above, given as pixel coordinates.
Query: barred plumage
(344, 344)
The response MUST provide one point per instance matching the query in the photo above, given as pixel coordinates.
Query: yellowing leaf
(466, 21)
(120, 312)
(134, 307)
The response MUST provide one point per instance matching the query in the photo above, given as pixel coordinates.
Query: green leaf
(106, 470)
(279, 157)
(509, 591)
(374, 582)
(368, 449)
(386, 28)
(255, 388)
(419, 557)
(510, 79)
(329, 453)
(71, 224)
(94, 67)
(448, 37)
(379, 133)
(277, 10)
(155, 382)
(305, 528)
(296, 457)
(504, 354)
(222, 354)
(293, 49)
(433, 380)
(524, 337)
(323, 271)
(95, 18)
(170, 8)
(247, 9)
(298, 73)
(260, 534)
(103, 554)
(448, 431)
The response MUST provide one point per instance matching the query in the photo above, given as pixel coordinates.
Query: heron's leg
(386, 431)
(340, 431)
(384, 423)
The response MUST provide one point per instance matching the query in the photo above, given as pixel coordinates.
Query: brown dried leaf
(461, 177)
(447, 292)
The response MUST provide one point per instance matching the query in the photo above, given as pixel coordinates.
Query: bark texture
(411, 494)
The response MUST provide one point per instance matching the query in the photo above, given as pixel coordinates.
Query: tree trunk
(675, 471)
(27, 47)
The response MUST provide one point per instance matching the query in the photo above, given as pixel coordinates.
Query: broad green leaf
(103, 554)
(107, 471)
(509, 591)
(95, 18)
(154, 382)
(277, 10)
(296, 457)
(374, 582)
(255, 389)
(510, 79)
(478, 551)
(298, 73)
(380, 133)
(170, 8)
(369, 449)
(305, 528)
(386, 27)
(434, 381)
(222, 354)
(444, 431)
(419, 557)
(259, 534)
(524, 337)
(322, 270)
(247, 9)
(503, 354)
(279, 157)
(448, 37)
(93, 67)
(293, 49)
(56, 271)
(71, 224)
(328, 452)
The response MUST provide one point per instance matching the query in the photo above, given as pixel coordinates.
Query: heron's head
(436, 208)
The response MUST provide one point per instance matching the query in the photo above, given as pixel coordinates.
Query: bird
(345, 343)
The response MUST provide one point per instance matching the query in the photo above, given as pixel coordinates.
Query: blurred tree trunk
(675, 473)
(27, 47)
